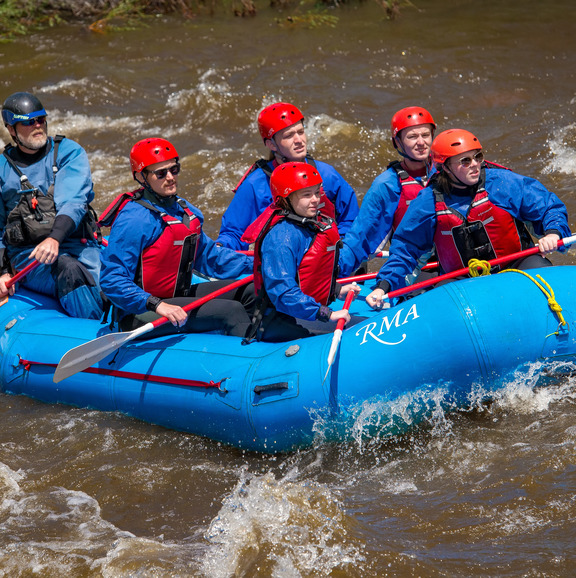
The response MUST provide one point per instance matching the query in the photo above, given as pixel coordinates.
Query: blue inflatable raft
(450, 341)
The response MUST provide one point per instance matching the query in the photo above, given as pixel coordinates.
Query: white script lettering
(386, 324)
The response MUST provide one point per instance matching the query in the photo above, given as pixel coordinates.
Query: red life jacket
(317, 270)
(110, 213)
(410, 188)
(166, 266)
(486, 232)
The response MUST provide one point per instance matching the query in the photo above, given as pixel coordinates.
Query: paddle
(338, 333)
(566, 242)
(20, 275)
(87, 354)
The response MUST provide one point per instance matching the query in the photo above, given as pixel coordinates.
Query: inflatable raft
(459, 338)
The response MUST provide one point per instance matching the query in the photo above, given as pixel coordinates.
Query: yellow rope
(552, 303)
(478, 268)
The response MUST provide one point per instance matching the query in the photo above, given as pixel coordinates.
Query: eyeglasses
(161, 173)
(467, 161)
(41, 120)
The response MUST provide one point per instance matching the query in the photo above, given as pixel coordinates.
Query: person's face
(163, 177)
(466, 166)
(416, 141)
(31, 138)
(305, 202)
(290, 142)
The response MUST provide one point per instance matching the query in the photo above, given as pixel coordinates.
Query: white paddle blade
(333, 349)
(85, 355)
(334, 346)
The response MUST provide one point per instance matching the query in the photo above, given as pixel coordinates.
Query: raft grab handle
(270, 387)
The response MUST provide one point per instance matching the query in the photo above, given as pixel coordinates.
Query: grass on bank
(21, 17)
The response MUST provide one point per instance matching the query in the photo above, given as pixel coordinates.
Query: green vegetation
(19, 17)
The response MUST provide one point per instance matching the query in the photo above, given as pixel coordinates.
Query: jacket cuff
(62, 228)
(4, 263)
(324, 313)
(152, 303)
(384, 285)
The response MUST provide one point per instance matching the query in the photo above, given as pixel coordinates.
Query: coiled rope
(478, 268)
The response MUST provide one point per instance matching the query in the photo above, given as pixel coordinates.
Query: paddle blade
(87, 354)
(333, 349)
(334, 346)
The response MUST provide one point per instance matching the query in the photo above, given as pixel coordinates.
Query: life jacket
(326, 205)
(410, 188)
(32, 219)
(487, 231)
(317, 271)
(166, 266)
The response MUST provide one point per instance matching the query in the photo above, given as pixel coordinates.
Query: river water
(488, 493)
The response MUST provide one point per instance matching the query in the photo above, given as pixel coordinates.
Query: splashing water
(288, 528)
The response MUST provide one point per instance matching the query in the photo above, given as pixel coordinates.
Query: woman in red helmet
(387, 199)
(472, 209)
(156, 243)
(281, 127)
(295, 258)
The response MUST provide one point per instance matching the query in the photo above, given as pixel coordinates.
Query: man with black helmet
(45, 191)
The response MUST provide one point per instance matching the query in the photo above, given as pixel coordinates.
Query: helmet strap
(454, 179)
(401, 152)
(15, 136)
(276, 151)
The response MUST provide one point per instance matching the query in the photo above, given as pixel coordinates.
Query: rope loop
(478, 268)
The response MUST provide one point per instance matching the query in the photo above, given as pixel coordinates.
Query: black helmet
(21, 106)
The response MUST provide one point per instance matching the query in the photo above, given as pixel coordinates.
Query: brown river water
(491, 493)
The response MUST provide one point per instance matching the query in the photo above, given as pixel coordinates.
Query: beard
(34, 143)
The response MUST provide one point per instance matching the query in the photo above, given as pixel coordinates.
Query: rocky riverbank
(19, 17)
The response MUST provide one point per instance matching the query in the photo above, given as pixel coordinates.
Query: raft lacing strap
(552, 303)
(27, 364)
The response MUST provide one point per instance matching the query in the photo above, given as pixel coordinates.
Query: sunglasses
(41, 120)
(467, 161)
(161, 173)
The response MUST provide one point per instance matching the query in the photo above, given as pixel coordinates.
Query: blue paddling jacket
(253, 196)
(135, 229)
(524, 198)
(373, 225)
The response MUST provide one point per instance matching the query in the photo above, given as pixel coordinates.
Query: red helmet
(149, 151)
(276, 117)
(452, 142)
(290, 177)
(411, 116)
